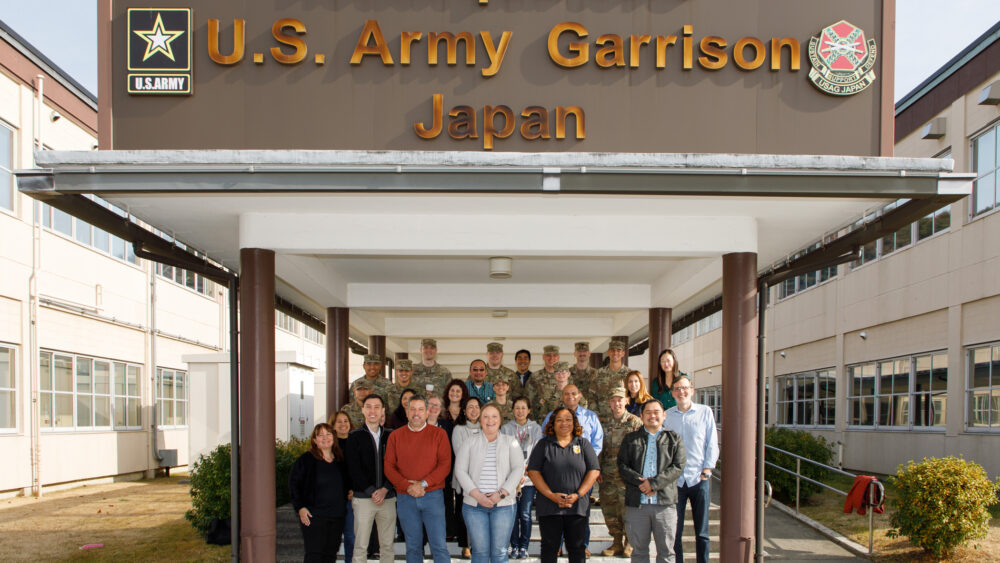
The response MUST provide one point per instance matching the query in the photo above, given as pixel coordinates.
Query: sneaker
(523, 553)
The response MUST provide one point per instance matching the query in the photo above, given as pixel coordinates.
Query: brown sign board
(712, 76)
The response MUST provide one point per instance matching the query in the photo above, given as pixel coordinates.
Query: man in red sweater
(417, 461)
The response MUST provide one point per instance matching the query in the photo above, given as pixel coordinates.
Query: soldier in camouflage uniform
(353, 410)
(583, 374)
(609, 377)
(430, 376)
(404, 380)
(373, 373)
(548, 390)
(503, 401)
(495, 370)
(542, 379)
(620, 423)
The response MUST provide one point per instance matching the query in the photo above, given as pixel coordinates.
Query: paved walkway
(786, 539)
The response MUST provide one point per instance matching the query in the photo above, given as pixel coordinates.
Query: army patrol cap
(616, 345)
(582, 346)
(494, 347)
(373, 359)
(365, 383)
(550, 349)
(560, 366)
(404, 365)
(429, 342)
(619, 391)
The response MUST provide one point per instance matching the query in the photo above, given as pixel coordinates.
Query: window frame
(878, 396)
(47, 219)
(174, 401)
(48, 392)
(11, 189)
(714, 393)
(994, 130)
(993, 391)
(817, 400)
(12, 358)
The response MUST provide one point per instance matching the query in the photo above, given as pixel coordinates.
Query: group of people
(466, 460)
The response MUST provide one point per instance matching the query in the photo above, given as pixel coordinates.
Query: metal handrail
(870, 493)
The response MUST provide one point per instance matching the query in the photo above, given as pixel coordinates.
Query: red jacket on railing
(857, 497)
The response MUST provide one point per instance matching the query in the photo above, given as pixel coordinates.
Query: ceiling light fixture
(500, 267)
(500, 314)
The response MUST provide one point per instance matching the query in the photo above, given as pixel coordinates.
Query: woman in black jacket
(318, 484)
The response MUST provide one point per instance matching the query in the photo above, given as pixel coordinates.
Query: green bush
(210, 481)
(942, 503)
(801, 443)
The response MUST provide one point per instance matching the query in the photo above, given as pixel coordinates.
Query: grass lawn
(827, 508)
(136, 521)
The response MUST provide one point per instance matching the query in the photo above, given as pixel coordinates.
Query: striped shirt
(488, 475)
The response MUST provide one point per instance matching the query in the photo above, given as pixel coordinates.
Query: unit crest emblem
(842, 59)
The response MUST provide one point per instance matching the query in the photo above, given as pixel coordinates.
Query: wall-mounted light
(863, 335)
(782, 353)
(501, 267)
(55, 116)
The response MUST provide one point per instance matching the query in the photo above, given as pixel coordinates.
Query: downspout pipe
(34, 361)
(762, 289)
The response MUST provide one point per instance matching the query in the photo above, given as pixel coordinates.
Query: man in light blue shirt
(696, 425)
(593, 432)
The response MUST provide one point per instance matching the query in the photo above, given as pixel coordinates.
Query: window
(85, 233)
(711, 397)
(984, 157)
(903, 393)
(191, 280)
(6, 165)
(312, 334)
(79, 392)
(682, 335)
(807, 399)
(8, 387)
(708, 324)
(802, 282)
(920, 229)
(984, 387)
(171, 397)
(286, 322)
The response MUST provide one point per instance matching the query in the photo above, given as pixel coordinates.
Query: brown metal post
(596, 360)
(376, 345)
(336, 358)
(739, 396)
(257, 424)
(659, 340)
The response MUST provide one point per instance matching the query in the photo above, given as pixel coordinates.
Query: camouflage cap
(365, 383)
(550, 349)
(429, 342)
(404, 365)
(560, 366)
(619, 391)
(616, 345)
(494, 347)
(373, 359)
(582, 346)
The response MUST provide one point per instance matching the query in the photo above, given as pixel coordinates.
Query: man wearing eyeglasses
(696, 425)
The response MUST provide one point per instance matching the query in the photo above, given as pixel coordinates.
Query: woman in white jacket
(489, 467)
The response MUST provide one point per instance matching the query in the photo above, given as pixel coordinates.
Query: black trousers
(322, 538)
(572, 529)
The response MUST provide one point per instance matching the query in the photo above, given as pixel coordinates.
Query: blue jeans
(349, 532)
(417, 515)
(489, 531)
(700, 497)
(521, 533)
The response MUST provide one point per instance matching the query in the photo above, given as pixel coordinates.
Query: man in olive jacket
(650, 461)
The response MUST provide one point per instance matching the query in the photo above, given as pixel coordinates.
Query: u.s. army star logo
(159, 51)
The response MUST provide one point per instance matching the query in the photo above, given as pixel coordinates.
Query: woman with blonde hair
(635, 391)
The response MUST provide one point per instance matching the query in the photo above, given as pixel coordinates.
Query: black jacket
(366, 470)
(302, 483)
(669, 465)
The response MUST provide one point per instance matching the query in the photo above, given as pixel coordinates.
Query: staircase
(289, 540)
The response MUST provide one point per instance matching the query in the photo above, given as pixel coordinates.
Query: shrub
(801, 443)
(942, 503)
(210, 496)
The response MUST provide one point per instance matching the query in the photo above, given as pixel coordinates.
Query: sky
(66, 32)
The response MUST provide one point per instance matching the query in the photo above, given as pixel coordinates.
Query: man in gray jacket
(649, 461)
